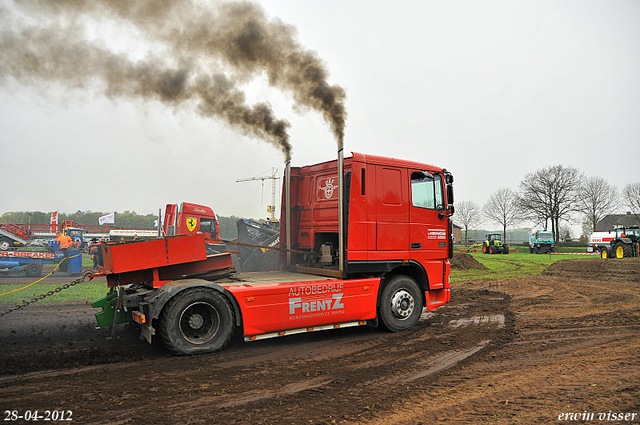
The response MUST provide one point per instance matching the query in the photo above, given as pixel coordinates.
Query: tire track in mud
(575, 348)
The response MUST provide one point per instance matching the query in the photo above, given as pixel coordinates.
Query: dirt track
(515, 352)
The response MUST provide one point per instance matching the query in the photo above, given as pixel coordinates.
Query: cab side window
(206, 225)
(426, 191)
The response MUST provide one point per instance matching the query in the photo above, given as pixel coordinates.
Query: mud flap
(147, 331)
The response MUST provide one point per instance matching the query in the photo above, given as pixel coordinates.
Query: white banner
(109, 218)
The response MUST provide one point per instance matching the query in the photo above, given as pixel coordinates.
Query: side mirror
(450, 194)
(450, 211)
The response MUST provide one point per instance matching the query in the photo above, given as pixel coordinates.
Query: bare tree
(502, 208)
(597, 200)
(468, 215)
(631, 195)
(565, 233)
(550, 194)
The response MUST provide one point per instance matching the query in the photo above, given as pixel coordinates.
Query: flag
(54, 218)
(109, 218)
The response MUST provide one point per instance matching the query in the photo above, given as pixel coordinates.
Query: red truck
(188, 218)
(365, 240)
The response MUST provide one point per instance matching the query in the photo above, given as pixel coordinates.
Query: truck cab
(187, 219)
(541, 241)
(397, 216)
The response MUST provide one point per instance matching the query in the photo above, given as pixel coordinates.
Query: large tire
(197, 320)
(34, 269)
(604, 253)
(536, 250)
(492, 249)
(5, 243)
(622, 250)
(485, 248)
(401, 304)
(506, 249)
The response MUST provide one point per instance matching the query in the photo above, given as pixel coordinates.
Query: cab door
(429, 226)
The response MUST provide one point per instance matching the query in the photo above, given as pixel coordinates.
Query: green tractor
(494, 245)
(625, 244)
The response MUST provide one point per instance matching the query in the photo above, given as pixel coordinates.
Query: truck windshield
(545, 235)
(426, 191)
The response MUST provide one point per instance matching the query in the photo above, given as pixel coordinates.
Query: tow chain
(23, 304)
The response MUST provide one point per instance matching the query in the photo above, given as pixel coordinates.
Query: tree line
(127, 220)
(551, 197)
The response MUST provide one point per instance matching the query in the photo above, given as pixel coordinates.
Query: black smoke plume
(206, 53)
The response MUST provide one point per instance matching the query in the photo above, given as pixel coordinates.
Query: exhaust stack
(341, 211)
(288, 201)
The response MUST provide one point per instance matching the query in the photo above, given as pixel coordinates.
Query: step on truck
(365, 240)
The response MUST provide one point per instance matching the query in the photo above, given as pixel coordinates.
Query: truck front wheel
(197, 320)
(401, 304)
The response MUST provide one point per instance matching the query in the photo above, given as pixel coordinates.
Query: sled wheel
(401, 304)
(5, 243)
(34, 269)
(197, 320)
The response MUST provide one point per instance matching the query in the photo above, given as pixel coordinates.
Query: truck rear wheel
(34, 269)
(197, 320)
(401, 304)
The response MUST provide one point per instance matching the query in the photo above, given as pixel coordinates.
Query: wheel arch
(411, 269)
(166, 292)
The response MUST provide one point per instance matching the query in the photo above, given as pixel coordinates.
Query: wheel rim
(619, 252)
(604, 253)
(4, 245)
(199, 323)
(402, 304)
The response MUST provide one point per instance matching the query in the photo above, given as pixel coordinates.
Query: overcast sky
(488, 90)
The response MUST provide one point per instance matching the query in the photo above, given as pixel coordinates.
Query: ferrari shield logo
(191, 223)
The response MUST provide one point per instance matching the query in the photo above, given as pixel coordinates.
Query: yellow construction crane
(270, 208)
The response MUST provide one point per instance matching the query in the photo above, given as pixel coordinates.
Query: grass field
(515, 264)
(85, 291)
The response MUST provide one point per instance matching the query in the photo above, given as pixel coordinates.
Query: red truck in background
(364, 240)
(188, 219)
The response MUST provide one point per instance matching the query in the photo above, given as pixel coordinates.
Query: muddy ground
(516, 351)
